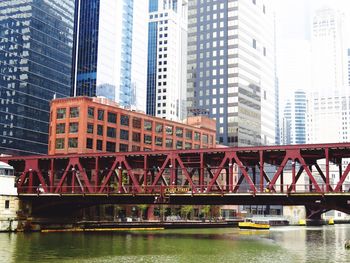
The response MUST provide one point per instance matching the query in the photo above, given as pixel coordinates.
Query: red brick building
(84, 124)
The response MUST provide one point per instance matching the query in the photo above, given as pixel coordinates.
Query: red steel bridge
(311, 175)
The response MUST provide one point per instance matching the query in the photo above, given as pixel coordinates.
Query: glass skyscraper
(36, 38)
(103, 50)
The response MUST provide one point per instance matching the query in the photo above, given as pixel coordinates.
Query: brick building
(84, 124)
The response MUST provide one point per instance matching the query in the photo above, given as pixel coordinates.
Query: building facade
(105, 60)
(83, 125)
(166, 70)
(293, 130)
(230, 70)
(36, 40)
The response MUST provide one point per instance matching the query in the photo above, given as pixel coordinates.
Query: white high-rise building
(231, 68)
(329, 52)
(167, 54)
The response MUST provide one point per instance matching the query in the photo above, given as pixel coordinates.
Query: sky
(293, 30)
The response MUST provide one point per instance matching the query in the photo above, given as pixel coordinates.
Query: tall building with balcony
(110, 55)
(231, 68)
(166, 69)
(36, 39)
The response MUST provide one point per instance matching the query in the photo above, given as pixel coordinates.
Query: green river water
(279, 244)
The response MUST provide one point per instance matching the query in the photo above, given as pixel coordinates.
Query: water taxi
(254, 225)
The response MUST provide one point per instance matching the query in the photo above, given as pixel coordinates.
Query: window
(73, 143)
(135, 148)
(74, 112)
(188, 135)
(188, 145)
(89, 143)
(169, 143)
(100, 130)
(179, 145)
(60, 128)
(147, 139)
(254, 43)
(99, 145)
(60, 143)
(123, 147)
(169, 130)
(91, 111)
(148, 125)
(73, 127)
(179, 132)
(159, 128)
(112, 117)
(111, 132)
(124, 135)
(61, 114)
(136, 137)
(197, 136)
(124, 120)
(136, 123)
(100, 115)
(158, 141)
(90, 128)
(110, 147)
(205, 138)
(7, 204)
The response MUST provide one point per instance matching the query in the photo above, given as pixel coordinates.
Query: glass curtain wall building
(36, 39)
(104, 53)
(231, 68)
(166, 69)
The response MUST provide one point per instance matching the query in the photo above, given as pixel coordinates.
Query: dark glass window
(100, 130)
(73, 143)
(100, 115)
(179, 132)
(89, 143)
(99, 145)
(112, 117)
(73, 127)
(188, 135)
(197, 136)
(136, 123)
(90, 128)
(159, 128)
(135, 148)
(169, 130)
(148, 125)
(169, 143)
(159, 141)
(179, 145)
(91, 111)
(188, 145)
(136, 137)
(205, 138)
(124, 135)
(123, 147)
(196, 146)
(61, 114)
(111, 132)
(124, 120)
(147, 139)
(74, 112)
(110, 146)
(59, 143)
(60, 128)
(7, 204)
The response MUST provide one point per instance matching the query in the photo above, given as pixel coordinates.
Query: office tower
(293, 130)
(36, 40)
(349, 67)
(231, 73)
(329, 52)
(166, 70)
(103, 50)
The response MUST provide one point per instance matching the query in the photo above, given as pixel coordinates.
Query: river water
(279, 244)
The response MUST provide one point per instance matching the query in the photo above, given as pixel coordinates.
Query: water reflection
(284, 244)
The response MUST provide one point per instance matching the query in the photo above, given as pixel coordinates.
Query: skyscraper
(231, 72)
(329, 52)
(166, 70)
(103, 50)
(35, 66)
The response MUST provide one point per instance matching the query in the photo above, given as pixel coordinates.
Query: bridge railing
(164, 190)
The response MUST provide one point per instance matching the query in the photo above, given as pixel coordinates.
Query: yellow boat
(254, 225)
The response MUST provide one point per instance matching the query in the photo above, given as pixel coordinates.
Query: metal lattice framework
(272, 169)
